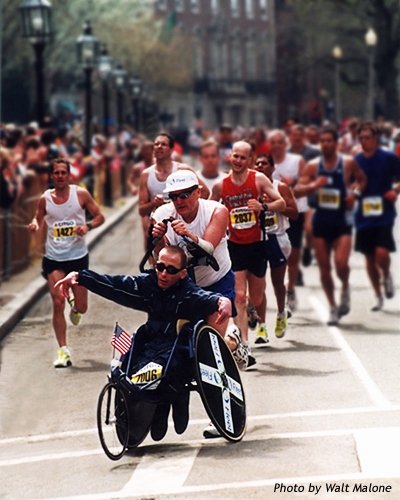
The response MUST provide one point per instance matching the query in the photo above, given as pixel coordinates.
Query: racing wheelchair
(144, 383)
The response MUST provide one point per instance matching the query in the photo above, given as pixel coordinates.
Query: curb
(15, 310)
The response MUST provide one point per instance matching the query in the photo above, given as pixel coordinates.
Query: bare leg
(59, 323)
(241, 299)
(323, 254)
(342, 250)
(373, 274)
(81, 298)
(293, 267)
(278, 282)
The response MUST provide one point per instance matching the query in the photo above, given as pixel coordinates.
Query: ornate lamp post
(105, 70)
(37, 28)
(371, 39)
(337, 55)
(136, 91)
(87, 47)
(120, 80)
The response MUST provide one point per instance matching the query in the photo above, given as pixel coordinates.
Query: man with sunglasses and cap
(205, 223)
(166, 294)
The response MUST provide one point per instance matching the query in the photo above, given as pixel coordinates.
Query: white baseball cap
(179, 180)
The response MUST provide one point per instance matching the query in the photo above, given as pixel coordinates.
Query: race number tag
(64, 229)
(243, 218)
(329, 198)
(149, 373)
(270, 222)
(372, 206)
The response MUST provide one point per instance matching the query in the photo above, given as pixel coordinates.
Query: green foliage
(313, 27)
(127, 27)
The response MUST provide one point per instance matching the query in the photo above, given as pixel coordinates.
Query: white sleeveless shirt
(275, 222)
(204, 275)
(290, 168)
(62, 220)
(155, 186)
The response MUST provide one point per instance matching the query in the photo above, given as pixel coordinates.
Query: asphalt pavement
(21, 292)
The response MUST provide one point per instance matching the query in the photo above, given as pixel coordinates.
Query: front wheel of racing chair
(113, 421)
(219, 383)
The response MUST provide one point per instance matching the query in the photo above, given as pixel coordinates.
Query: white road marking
(194, 445)
(50, 456)
(160, 473)
(379, 450)
(202, 421)
(372, 389)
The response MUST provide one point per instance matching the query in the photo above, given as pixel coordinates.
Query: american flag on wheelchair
(121, 340)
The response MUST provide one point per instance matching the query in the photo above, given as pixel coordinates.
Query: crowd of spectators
(25, 153)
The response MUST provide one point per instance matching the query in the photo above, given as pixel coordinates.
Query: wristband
(357, 193)
(265, 206)
(206, 245)
(89, 225)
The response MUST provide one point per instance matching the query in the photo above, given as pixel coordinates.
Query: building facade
(233, 61)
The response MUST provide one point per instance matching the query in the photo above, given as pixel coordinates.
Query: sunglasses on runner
(260, 163)
(160, 266)
(182, 196)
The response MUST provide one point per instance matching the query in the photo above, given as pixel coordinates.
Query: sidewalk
(23, 289)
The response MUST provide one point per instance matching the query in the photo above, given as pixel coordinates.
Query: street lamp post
(105, 70)
(36, 26)
(136, 90)
(120, 80)
(87, 52)
(337, 55)
(371, 39)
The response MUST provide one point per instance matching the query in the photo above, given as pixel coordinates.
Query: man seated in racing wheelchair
(166, 294)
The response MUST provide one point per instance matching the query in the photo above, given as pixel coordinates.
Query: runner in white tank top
(63, 210)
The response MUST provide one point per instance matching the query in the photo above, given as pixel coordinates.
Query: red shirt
(244, 227)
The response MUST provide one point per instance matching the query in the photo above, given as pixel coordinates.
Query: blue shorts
(278, 249)
(226, 287)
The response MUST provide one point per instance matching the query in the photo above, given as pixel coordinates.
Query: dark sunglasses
(261, 163)
(160, 266)
(182, 196)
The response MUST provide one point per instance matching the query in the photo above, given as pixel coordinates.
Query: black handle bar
(196, 250)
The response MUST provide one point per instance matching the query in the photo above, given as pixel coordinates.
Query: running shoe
(333, 317)
(252, 316)
(306, 257)
(261, 334)
(291, 300)
(241, 353)
(388, 286)
(280, 326)
(74, 315)
(211, 432)
(63, 358)
(252, 360)
(379, 304)
(344, 307)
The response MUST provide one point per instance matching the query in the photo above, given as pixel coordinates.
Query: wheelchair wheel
(113, 421)
(219, 384)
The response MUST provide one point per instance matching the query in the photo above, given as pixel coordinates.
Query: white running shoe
(333, 317)
(241, 353)
(344, 307)
(63, 358)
